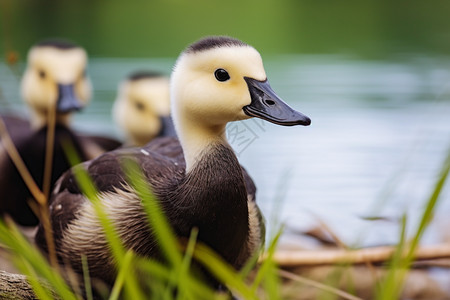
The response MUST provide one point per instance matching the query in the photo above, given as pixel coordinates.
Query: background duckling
(197, 178)
(55, 79)
(142, 108)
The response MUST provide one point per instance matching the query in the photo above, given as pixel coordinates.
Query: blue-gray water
(380, 132)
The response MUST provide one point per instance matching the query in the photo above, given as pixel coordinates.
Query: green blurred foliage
(162, 28)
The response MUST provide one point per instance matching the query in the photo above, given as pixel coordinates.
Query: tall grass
(401, 261)
(171, 279)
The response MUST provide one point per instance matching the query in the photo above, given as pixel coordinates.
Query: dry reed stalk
(49, 145)
(11, 149)
(43, 207)
(18, 162)
(289, 258)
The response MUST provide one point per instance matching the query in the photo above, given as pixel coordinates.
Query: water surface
(379, 134)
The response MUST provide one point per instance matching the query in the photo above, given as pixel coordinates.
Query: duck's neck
(213, 193)
(196, 139)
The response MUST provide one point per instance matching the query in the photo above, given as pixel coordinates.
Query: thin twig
(11, 149)
(432, 263)
(373, 255)
(45, 220)
(44, 209)
(50, 142)
(18, 162)
(313, 283)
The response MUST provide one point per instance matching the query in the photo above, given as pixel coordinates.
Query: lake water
(379, 135)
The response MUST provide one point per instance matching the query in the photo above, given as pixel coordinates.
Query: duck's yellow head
(221, 79)
(142, 101)
(55, 78)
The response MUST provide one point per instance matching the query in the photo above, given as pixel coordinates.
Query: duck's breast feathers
(157, 160)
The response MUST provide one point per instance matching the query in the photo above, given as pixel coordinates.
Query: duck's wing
(107, 175)
(169, 147)
(107, 171)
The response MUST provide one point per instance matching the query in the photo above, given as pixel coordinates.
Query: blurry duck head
(218, 80)
(55, 78)
(141, 106)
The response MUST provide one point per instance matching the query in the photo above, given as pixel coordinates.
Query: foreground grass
(173, 278)
(170, 279)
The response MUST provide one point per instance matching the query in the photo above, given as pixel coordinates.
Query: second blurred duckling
(142, 108)
(55, 78)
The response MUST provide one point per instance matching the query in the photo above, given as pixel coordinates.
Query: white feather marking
(254, 237)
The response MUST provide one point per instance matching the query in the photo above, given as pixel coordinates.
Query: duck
(55, 77)
(142, 107)
(196, 176)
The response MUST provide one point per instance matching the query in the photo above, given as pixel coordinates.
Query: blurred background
(374, 76)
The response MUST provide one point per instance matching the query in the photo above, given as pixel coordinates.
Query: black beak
(67, 100)
(268, 106)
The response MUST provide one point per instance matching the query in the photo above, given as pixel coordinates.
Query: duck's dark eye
(221, 75)
(139, 105)
(42, 74)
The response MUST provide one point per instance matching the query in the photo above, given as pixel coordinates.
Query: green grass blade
(41, 291)
(392, 288)
(250, 264)
(428, 213)
(86, 278)
(90, 191)
(124, 272)
(32, 263)
(271, 283)
(156, 218)
(184, 288)
(222, 271)
(267, 265)
(162, 272)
